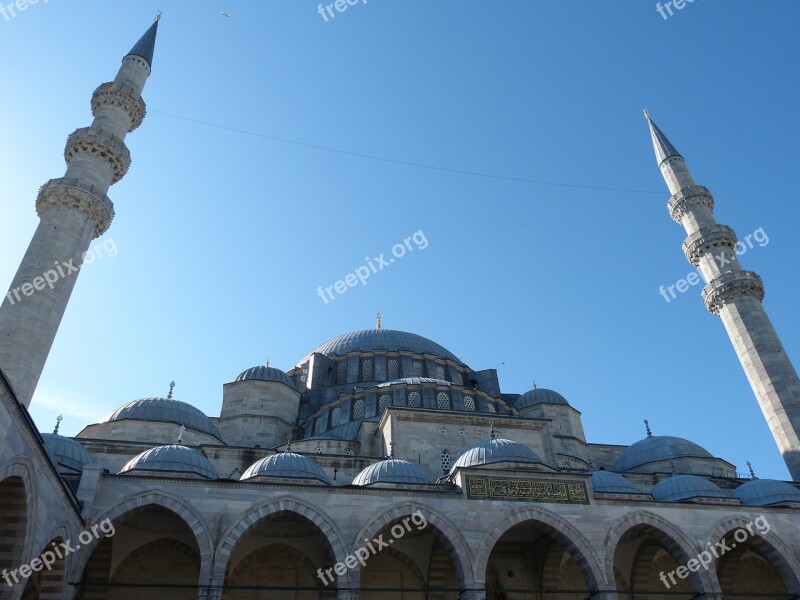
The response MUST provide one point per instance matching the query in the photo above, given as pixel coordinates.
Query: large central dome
(391, 340)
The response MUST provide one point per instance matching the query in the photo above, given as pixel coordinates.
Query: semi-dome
(68, 453)
(685, 487)
(539, 396)
(390, 340)
(612, 483)
(656, 448)
(288, 465)
(172, 459)
(496, 451)
(391, 471)
(164, 410)
(263, 373)
(766, 492)
(414, 381)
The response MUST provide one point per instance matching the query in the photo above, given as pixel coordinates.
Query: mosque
(380, 466)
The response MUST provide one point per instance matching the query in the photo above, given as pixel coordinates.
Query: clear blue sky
(223, 238)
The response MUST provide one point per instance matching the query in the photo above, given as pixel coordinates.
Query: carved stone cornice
(729, 286)
(688, 199)
(97, 142)
(75, 194)
(707, 239)
(122, 96)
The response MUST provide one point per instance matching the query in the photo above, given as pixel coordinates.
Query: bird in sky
(224, 14)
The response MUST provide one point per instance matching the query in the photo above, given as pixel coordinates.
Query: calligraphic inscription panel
(527, 490)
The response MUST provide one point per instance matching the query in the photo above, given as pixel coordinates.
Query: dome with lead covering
(496, 451)
(656, 448)
(172, 459)
(414, 381)
(766, 492)
(679, 488)
(391, 340)
(287, 465)
(68, 453)
(539, 396)
(613, 483)
(392, 471)
(164, 410)
(265, 374)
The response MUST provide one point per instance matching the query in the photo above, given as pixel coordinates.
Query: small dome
(391, 471)
(164, 410)
(766, 492)
(613, 483)
(390, 340)
(496, 451)
(68, 453)
(414, 381)
(265, 374)
(286, 464)
(685, 487)
(657, 448)
(539, 396)
(172, 459)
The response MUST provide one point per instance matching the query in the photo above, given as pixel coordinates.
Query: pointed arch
(18, 494)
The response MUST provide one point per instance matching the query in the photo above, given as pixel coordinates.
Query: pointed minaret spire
(146, 45)
(735, 296)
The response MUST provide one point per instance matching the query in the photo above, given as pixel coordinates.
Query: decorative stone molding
(706, 239)
(728, 286)
(69, 192)
(122, 96)
(97, 142)
(688, 199)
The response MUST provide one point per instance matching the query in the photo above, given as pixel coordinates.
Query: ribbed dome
(391, 471)
(496, 451)
(381, 339)
(766, 492)
(164, 410)
(265, 374)
(685, 487)
(67, 452)
(286, 464)
(172, 459)
(414, 381)
(539, 396)
(613, 483)
(657, 448)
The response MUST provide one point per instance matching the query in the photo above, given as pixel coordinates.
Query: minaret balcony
(123, 97)
(708, 239)
(101, 144)
(74, 194)
(689, 199)
(729, 286)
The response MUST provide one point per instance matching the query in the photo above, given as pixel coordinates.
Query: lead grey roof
(392, 470)
(164, 410)
(286, 464)
(539, 396)
(766, 492)
(172, 459)
(390, 340)
(495, 451)
(685, 487)
(414, 381)
(146, 45)
(657, 448)
(662, 146)
(263, 373)
(67, 452)
(613, 483)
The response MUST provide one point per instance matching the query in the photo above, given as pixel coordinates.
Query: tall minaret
(735, 295)
(73, 211)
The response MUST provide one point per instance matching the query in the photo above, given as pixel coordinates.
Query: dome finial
(59, 418)
(180, 434)
(289, 443)
(171, 387)
(750, 468)
(534, 384)
(491, 431)
(378, 325)
(158, 15)
(391, 449)
(267, 365)
(647, 426)
(646, 114)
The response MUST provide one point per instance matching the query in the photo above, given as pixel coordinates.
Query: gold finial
(158, 16)
(647, 426)
(267, 361)
(534, 384)
(59, 418)
(379, 321)
(289, 443)
(646, 114)
(171, 387)
(752, 472)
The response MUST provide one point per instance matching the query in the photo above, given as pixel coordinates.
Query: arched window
(414, 400)
(366, 370)
(469, 403)
(319, 426)
(358, 410)
(335, 416)
(416, 367)
(457, 378)
(445, 461)
(440, 372)
(384, 402)
(341, 373)
(442, 401)
(392, 370)
(490, 407)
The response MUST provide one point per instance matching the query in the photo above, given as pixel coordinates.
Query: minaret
(734, 295)
(73, 210)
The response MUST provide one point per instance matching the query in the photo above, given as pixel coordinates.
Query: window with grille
(392, 370)
(350, 452)
(457, 378)
(366, 370)
(358, 410)
(440, 372)
(445, 461)
(442, 401)
(319, 426)
(469, 403)
(414, 400)
(490, 407)
(319, 450)
(341, 373)
(417, 369)
(497, 435)
(481, 433)
(383, 403)
(335, 416)
(443, 431)
(462, 432)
